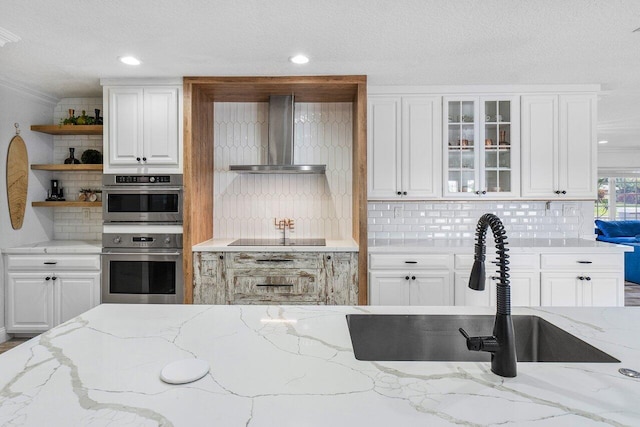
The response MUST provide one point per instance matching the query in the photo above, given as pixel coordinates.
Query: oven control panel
(120, 180)
(155, 241)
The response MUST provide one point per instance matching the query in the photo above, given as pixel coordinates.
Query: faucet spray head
(477, 279)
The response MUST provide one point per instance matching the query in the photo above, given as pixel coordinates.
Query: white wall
(26, 108)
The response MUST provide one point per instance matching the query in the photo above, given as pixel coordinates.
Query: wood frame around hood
(199, 95)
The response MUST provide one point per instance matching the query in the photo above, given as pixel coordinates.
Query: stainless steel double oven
(142, 239)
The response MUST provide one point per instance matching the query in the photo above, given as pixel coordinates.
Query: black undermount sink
(436, 338)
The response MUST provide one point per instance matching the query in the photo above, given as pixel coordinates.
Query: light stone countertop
(294, 366)
(57, 247)
(222, 245)
(514, 245)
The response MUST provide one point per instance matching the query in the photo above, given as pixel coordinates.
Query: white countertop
(515, 245)
(57, 247)
(222, 245)
(294, 366)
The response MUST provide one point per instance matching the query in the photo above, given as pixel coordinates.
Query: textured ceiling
(66, 46)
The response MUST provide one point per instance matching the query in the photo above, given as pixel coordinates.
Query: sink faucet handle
(487, 343)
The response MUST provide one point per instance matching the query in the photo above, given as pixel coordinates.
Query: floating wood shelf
(81, 167)
(68, 129)
(65, 204)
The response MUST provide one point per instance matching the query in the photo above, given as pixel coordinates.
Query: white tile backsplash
(245, 205)
(73, 223)
(455, 220)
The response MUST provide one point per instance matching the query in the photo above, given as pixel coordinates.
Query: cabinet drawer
(52, 263)
(274, 259)
(409, 261)
(290, 286)
(588, 261)
(516, 261)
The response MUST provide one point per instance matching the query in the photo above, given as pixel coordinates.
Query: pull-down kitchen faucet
(501, 344)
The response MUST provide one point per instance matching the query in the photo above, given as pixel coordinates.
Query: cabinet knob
(413, 277)
(557, 191)
(144, 159)
(54, 278)
(484, 192)
(404, 193)
(478, 192)
(138, 159)
(580, 277)
(563, 192)
(328, 257)
(47, 278)
(221, 256)
(406, 277)
(399, 193)
(588, 278)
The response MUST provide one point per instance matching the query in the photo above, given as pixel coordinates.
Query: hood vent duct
(280, 143)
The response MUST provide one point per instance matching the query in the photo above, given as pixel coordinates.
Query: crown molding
(41, 96)
(7, 36)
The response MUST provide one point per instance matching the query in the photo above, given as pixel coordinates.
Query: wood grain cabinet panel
(275, 278)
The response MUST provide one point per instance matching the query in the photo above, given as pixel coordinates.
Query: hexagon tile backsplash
(245, 205)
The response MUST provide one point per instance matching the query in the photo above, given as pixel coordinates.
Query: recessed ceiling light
(299, 59)
(603, 142)
(129, 60)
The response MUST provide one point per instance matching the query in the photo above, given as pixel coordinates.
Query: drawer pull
(275, 284)
(411, 262)
(584, 262)
(274, 260)
(50, 262)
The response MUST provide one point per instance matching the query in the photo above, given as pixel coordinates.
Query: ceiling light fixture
(130, 60)
(299, 59)
(603, 142)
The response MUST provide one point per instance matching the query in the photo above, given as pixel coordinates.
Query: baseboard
(3, 335)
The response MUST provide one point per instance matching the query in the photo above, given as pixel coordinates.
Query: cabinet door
(560, 289)
(29, 303)
(467, 296)
(577, 146)
(161, 138)
(421, 133)
(125, 130)
(383, 148)
(461, 159)
(389, 288)
(432, 288)
(603, 290)
(75, 293)
(539, 122)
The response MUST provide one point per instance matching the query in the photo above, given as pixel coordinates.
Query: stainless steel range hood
(280, 143)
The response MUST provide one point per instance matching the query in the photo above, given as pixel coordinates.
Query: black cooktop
(278, 242)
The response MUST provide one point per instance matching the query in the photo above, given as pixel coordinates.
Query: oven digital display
(143, 179)
(142, 239)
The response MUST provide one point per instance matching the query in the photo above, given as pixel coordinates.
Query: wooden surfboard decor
(17, 180)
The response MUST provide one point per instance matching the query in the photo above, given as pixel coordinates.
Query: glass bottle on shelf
(71, 160)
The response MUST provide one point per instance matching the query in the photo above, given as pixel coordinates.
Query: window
(618, 198)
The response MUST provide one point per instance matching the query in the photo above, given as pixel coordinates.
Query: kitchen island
(294, 366)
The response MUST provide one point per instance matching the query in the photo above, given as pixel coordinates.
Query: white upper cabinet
(403, 147)
(481, 141)
(559, 146)
(143, 128)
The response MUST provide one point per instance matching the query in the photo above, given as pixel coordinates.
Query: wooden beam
(359, 198)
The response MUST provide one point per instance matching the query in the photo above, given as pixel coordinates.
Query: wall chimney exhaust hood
(280, 143)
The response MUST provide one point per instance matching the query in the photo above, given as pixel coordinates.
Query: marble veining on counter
(222, 245)
(57, 247)
(516, 245)
(294, 365)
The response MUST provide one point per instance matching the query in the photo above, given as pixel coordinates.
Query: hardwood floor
(631, 299)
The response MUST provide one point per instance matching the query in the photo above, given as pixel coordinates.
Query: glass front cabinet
(481, 147)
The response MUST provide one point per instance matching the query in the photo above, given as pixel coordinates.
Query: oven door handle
(142, 253)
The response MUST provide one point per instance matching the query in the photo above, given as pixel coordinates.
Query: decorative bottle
(71, 160)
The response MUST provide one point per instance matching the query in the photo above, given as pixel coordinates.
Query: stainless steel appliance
(142, 198)
(142, 264)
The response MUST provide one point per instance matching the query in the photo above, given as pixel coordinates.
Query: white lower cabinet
(525, 290)
(587, 289)
(43, 297)
(409, 288)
